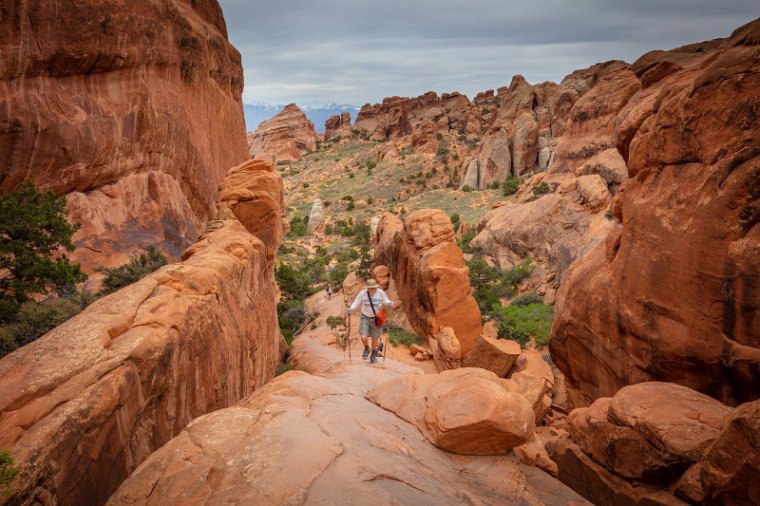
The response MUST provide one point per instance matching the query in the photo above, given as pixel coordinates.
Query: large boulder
(462, 411)
(135, 115)
(430, 274)
(669, 294)
(84, 405)
(495, 355)
(317, 218)
(285, 137)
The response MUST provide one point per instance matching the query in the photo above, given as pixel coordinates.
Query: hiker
(373, 302)
(329, 292)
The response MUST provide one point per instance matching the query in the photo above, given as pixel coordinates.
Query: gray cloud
(357, 51)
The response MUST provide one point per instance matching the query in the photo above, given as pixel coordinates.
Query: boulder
(430, 274)
(446, 349)
(285, 137)
(134, 127)
(495, 355)
(461, 411)
(85, 404)
(382, 275)
(532, 378)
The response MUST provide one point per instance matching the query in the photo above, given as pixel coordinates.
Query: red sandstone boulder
(285, 137)
(135, 114)
(495, 355)
(430, 274)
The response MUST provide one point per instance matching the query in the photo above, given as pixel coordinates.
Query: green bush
(542, 188)
(455, 219)
(351, 206)
(338, 274)
(370, 201)
(8, 472)
(510, 186)
(442, 151)
(520, 272)
(138, 267)
(527, 299)
(467, 188)
(282, 368)
(297, 227)
(295, 284)
(520, 323)
(334, 321)
(291, 315)
(35, 234)
(439, 136)
(464, 243)
(490, 285)
(399, 336)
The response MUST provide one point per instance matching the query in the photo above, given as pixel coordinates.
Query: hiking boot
(365, 354)
(373, 358)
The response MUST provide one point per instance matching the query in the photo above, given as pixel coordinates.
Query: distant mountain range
(257, 112)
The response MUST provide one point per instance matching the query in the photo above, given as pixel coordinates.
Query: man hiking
(373, 300)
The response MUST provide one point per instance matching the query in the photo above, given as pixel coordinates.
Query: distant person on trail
(373, 302)
(329, 292)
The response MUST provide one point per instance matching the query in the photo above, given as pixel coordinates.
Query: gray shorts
(368, 328)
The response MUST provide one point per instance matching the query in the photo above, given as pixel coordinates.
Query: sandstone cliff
(136, 114)
(86, 403)
(338, 125)
(670, 294)
(284, 137)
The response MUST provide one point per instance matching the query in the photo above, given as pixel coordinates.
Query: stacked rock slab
(285, 137)
(661, 443)
(670, 294)
(430, 275)
(135, 115)
(85, 404)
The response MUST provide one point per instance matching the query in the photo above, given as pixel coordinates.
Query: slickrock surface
(283, 138)
(86, 403)
(670, 293)
(430, 274)
(661, 443)
(313, 438)
(135, 114)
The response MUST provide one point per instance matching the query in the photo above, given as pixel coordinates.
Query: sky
(315, 52)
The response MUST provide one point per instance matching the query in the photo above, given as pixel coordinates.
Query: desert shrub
(371, 165)
(542, 188)
(295, 284)
(467, 188)
(305, 185)
(351, 206)
(494, 185)
(489, 284)
(527, 299)
(370, 201)
(334, 322)
(399, 336)
(297, 227)
(283, 368)
(439, 136)
(464, 242)
(510, 186)
(347, 198)
(291, 315)
(520, 323)
(35, 236)
(137, 268)
(442, 151)
(329, 230)
(455, 219)
(338, 274)
(520, 272)
(8, 472)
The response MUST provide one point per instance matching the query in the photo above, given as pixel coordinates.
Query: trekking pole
(348, 339)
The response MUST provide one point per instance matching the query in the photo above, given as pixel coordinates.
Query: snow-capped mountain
(257, 112)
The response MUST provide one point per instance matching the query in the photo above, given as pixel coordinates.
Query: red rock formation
(338, 125)
(430, 274)
(82, 406)
(285, 137)
(670, 294)
(653, 440)
(136, 114)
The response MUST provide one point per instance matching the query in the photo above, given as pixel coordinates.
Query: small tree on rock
(35, 232)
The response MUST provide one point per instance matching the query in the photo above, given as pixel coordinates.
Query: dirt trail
(311, 437)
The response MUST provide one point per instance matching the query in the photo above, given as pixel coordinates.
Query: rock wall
(430, 274)
(136, 115)
(285, 137)
(338, 125)
(84, 405)
(671, 293)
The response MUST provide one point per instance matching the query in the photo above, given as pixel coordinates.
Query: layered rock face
(283, 138)
(670, 294)
(81, 407)
(661, 443)
(312, 436)
(430, 274)
(338, 125)
(136, 115)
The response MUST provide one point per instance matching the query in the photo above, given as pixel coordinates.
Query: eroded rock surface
(135, 115)
(283, 138)
(83, 405)
(669, 294)
(314, 438)
(430, 274)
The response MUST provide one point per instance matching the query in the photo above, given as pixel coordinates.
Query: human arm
(387, 301)
(356, 303)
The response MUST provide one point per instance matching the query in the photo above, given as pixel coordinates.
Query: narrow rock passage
(311, 437)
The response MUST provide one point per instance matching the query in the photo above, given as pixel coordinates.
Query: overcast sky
(313, 52)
